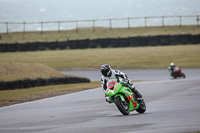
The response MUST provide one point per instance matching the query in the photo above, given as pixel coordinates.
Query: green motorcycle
(124, 98)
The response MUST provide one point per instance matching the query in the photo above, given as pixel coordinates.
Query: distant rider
(171, 68)
(108, 73)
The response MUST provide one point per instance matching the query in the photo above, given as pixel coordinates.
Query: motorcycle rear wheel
(183, 75)
(122, 106)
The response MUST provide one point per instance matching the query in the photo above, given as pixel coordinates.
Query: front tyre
(142, 107)
(122, 106)
(173, 75)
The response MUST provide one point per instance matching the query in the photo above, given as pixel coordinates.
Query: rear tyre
(142, 107)
(183, 75)
(122, 106)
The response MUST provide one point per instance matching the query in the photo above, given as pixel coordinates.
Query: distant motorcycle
(124, 98)
(177, 73)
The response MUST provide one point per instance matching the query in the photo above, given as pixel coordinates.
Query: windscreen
(111, 84)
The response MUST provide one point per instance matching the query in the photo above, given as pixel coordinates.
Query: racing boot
(137, 94)
(132, 87)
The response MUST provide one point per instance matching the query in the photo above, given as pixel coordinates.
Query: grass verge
(88, 33)
(15, 71)
(10, 97)
(18, 71)
(186, 56)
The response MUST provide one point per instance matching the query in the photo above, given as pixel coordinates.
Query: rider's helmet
(172, 64)
(106, 70)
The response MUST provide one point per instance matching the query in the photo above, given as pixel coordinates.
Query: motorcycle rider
(171, 68)
(108, 73)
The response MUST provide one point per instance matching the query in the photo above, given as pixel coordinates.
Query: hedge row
(104, 43)
(28, 83)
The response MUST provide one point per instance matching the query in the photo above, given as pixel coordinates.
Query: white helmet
(172, 64)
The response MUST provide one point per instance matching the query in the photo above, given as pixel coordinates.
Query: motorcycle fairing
(132, 103)
(113, 90)
(119, 90)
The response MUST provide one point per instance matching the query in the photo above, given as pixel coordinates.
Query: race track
(135, 74)
(172, 107)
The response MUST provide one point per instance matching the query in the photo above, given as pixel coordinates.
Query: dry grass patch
(14, 71)
(187, 56)
(87, 33)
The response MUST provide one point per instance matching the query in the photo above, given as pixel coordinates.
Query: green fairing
(122, 91)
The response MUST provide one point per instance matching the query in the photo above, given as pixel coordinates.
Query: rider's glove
(127, 82)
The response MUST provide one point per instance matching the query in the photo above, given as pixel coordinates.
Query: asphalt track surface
(172, 107)
(135, 74)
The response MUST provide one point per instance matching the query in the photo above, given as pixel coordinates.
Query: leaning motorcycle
(178, 73)
(124, 98)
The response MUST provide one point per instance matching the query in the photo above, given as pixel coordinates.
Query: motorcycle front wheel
(142, 107)
(174, 76)
(122, 106)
